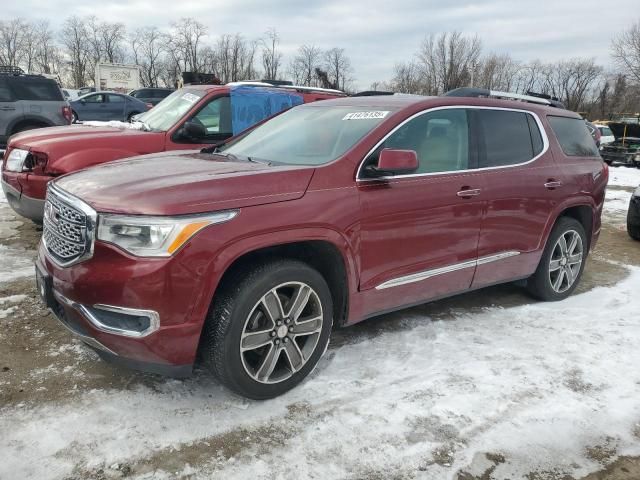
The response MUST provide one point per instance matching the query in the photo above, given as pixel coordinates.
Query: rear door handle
(7, 109)
(469, 192)
(551, 184)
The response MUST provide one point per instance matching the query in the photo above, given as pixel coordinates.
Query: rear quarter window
(508, 137)
(35, 89)
(573, 136)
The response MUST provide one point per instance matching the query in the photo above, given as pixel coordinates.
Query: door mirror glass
(395, 162)
(193, 131)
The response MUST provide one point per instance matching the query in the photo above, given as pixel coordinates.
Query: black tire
(539, 284)
(230, 314)
(74, 117)
(633, 226)
(131, 115)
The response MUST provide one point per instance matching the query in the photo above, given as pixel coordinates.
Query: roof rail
(254, 83)
(10, 70)
(485, 92)
(372, 93)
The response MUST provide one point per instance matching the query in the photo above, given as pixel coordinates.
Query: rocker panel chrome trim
(418, 277)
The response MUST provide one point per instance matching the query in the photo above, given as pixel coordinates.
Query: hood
(72, 140)
(618, 129)
(170, 184)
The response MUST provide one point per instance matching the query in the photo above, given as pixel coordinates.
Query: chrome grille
(66, 229)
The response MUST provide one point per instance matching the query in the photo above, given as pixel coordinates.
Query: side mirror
(83, 101)
(193, 131)
(395, 162)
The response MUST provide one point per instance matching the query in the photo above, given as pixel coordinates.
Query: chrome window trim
(91, 223)
(153, 316)
(419, 276)
(543, 134)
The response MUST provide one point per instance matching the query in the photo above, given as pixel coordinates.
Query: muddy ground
(40, 364)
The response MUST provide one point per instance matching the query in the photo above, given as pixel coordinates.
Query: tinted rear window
(5, 93)
(507, 138)
(35, 89)
(574, 137)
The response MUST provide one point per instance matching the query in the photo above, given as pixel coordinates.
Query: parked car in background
(152, 96)
(633, 215)
(84, 90)
(625, 149)
(192, 117)
(323, 216)
(595, 132)
(106, 106)
(28, 102)
(606, 135)
(70, 94)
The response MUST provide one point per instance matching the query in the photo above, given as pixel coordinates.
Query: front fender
(84, 158)
(232, 251)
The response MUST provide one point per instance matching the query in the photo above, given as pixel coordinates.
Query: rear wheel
(27, 126)
(74, 117)
(268, 328)
(562, 262)
(633, 225)
(131, 115)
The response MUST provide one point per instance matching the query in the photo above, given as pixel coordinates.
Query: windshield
(311, 135)
(167, 113)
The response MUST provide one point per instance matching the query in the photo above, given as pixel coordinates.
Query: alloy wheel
(281, 332)
(566, 261)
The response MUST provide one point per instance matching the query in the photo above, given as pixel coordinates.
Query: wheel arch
(321, 254)
(583, 210)
(28, 120)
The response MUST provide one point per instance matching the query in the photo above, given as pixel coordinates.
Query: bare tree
(338, 68)
(235, 58)
(271, 57)
(74, 36)
(572, 81)
(304, 64)
(111, 36)
(12, 37)
(448, 60)
(408, 78)
(497, 72)
(48, 55)
(186, 42)
(626, 51)
(148, 46)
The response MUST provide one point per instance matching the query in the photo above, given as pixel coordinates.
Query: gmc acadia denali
(245, 257)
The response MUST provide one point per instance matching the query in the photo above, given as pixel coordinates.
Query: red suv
(189, 118)
(328, 214)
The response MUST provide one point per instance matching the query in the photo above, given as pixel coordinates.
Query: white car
(607, 134)
(70, 94)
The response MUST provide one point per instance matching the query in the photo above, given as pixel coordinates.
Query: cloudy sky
(374, 33)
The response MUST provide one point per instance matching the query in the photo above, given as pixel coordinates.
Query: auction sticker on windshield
(365, 115)
(190, 97)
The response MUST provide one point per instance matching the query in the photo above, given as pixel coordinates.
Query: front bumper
(623, 158)
(28, 207)
(160, 289)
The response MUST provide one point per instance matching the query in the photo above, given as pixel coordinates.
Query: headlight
(15, 160)
(155, 236)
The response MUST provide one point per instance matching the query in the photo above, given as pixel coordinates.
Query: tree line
(441, 63)
(162, 55)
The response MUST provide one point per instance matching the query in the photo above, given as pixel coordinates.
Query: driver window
(216, 117)
(440, 139)
(99, 98)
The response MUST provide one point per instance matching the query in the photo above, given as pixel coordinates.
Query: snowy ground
(488, 385)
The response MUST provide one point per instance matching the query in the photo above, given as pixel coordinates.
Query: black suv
(28, 102)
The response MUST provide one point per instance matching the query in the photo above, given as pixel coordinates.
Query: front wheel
(268, 328)
(562, 262)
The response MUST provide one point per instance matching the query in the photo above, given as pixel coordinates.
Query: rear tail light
(66, 113)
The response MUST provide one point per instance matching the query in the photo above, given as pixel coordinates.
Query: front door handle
(7, 109)
(469, 192)
(552, 184)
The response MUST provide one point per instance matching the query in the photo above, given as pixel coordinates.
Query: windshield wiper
(213, 148)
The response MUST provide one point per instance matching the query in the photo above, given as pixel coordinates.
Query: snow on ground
(624, 177)
(508, 380)
(15, 262)
(617, 201)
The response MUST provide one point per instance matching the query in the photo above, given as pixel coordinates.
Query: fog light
(122, 321)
